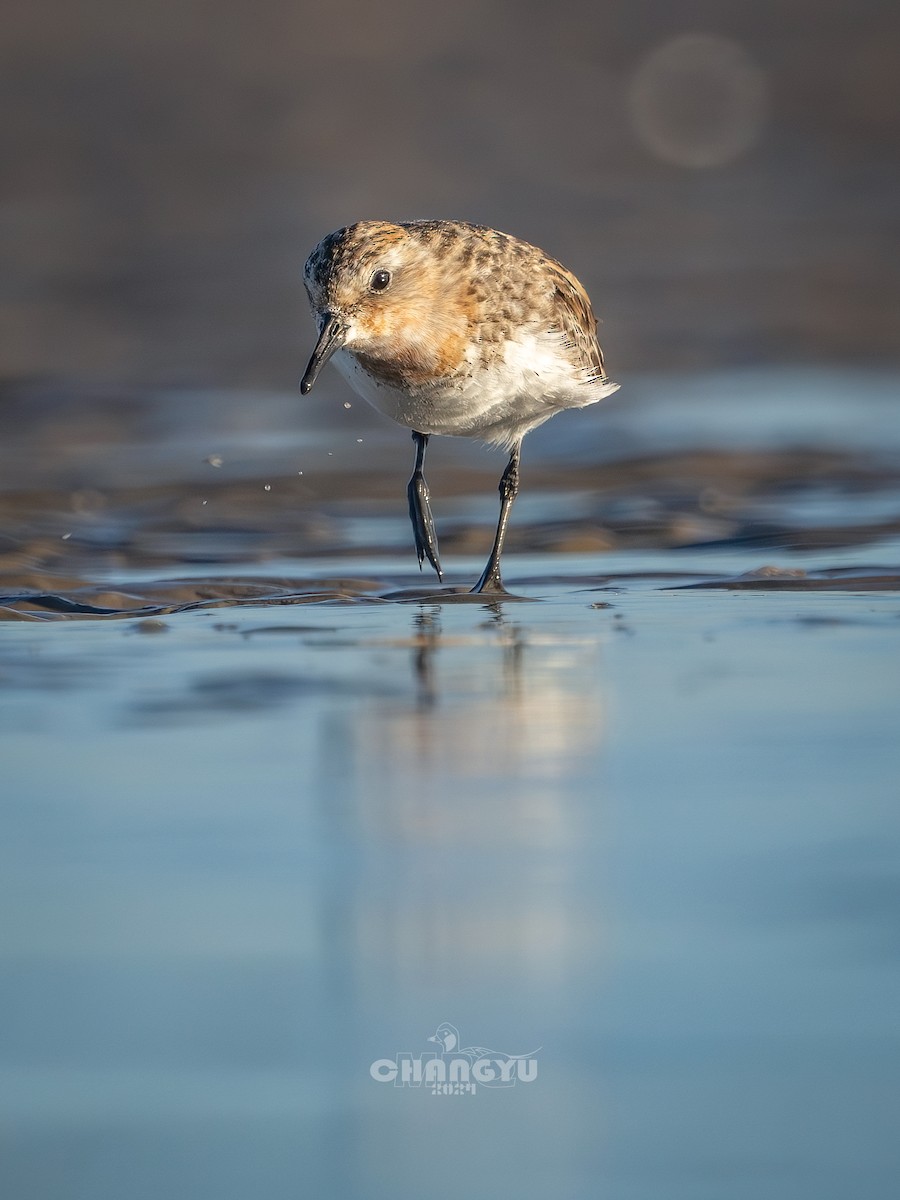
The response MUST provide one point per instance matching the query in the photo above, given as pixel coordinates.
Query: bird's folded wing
(574, 318)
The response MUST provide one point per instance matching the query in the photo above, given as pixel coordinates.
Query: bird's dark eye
(380, 280)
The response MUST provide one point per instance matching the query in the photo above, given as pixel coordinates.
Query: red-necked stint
(456, 329)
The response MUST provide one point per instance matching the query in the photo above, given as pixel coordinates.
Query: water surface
(268, 819)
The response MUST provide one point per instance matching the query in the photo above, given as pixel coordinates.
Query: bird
(452, 328)
(447, 1036)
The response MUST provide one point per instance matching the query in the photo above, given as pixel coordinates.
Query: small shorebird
(456, 329)
(501, 1066)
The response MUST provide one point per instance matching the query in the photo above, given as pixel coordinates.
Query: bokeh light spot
(698, 100)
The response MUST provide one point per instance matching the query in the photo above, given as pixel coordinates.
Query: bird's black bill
(330, 341)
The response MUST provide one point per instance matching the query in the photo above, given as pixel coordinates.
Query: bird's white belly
(498, 403)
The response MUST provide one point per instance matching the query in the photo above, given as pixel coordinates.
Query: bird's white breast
(525, 383)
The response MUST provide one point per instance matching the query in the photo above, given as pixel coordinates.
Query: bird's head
(384, 293)
(447, 1036)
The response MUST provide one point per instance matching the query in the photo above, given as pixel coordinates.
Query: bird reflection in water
(500, 710)
(474, 791)
(427, 642)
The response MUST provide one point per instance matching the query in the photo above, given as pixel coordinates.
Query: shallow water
(266, 822)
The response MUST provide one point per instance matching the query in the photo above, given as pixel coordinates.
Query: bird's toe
(423, 524)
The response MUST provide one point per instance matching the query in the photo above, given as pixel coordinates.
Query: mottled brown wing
(574, 318)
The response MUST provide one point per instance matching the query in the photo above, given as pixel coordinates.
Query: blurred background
(723, 176)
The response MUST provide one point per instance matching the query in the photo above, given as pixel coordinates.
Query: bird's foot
(490, 581)
(423, 523)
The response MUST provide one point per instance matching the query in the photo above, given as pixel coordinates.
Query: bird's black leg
(420, 510)
(490, 580)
